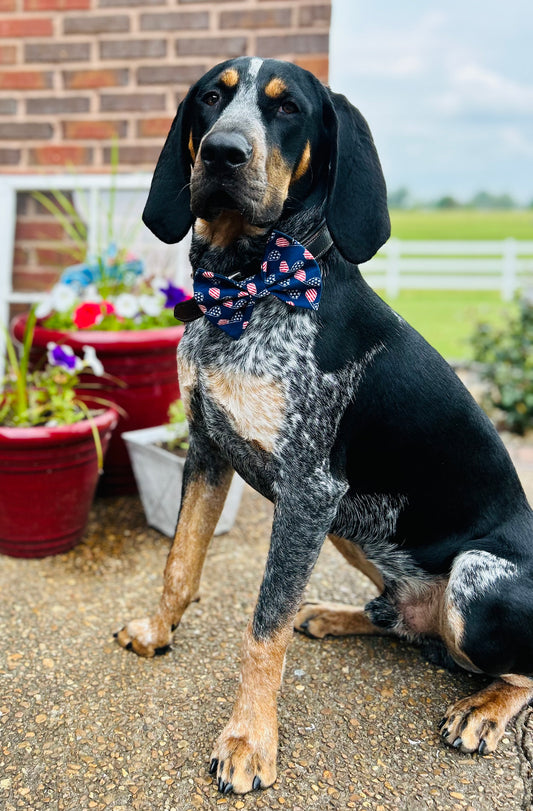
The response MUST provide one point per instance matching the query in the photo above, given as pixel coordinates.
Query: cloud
(474, 88)
(392, 52)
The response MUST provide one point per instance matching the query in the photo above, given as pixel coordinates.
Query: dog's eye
(211, 98)
(289, 107)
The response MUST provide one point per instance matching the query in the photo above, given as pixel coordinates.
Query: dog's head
(255, 140)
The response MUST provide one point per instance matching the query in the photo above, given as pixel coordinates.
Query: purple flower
(62, 356)
(173, 294)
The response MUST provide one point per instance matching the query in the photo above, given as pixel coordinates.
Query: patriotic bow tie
(288, 272)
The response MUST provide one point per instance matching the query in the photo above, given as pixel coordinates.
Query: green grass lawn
(462, 224)
(447, 318)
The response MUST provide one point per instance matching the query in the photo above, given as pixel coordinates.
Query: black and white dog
(298, 376)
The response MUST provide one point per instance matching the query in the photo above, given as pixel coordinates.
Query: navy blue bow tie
(288, 272)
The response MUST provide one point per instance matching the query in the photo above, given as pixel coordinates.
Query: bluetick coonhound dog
(338, 412)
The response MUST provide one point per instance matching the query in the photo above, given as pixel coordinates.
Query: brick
(53, 257)
(315, 15)
(132, 102)
(37, 280)
(58, 155)
(154, 127)
(57, 52)
(256, 18)
(91, 24)
(120, 3)
(94, 130)
(175, 21)
(318, 65)
(8, 54)
(226, 47)
(8, 106)
(136, 155)
(25, 80)
(10, 157)
(23, 130)
(38, 230)
(89, 79)
(55, 105)
(183, 2)
(57, 5)
(133, 49)
(169, 74)
(21, 27)
(8, 5)
(292, 44)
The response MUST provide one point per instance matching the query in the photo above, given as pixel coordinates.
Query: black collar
(318, 243)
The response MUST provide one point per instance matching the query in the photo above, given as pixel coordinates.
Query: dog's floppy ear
(356, 214)
(167, 212)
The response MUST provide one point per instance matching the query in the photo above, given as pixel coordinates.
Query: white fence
(504, 265)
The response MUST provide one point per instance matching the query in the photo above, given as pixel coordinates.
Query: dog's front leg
(244, 756)
(206, 480)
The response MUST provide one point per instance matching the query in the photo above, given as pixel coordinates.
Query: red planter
(145, 362)
(48, 477)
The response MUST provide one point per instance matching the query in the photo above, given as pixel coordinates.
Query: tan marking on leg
(247, 747)
(275, 88)
(517, 681)
(230, 77)
(477, 723)
(356, 557)
(334, 619)
(255, 405)
(187, 377)
(303, 165)
(226, 228)
(200, 510)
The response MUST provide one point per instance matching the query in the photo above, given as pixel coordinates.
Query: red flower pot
(145, 362)
(48, 476)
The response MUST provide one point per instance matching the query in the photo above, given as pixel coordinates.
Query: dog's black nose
(224, 152)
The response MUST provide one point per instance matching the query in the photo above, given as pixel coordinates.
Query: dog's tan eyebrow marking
(230, 77)
(191, 147)
(303, 166)
(275, 88)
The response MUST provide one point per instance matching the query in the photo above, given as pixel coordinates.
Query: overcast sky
(447, 88)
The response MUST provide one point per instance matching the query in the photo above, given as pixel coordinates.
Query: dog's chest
(249, 382)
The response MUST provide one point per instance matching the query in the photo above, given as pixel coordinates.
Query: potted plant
(52, 444)
(158, 458)
(108, 302)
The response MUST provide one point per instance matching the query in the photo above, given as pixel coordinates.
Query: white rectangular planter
(159, 475)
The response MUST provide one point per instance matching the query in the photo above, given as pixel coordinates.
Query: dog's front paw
(146, 637)
(473, 728)
(241, 764)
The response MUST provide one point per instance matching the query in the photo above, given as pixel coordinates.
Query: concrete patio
(86, 725)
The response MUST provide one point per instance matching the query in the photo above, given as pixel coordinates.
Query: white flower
(44, 307)
(126, 305)
(92, 362)
(151, 305)
(63, 297)
(90, 293)
(158, 282)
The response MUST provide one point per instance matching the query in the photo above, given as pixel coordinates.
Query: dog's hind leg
(206, 482)
(336, 619)
(477, 723)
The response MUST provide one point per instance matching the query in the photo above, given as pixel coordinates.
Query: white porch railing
(501, 265)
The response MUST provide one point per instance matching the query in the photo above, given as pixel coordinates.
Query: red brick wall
(75, 73)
